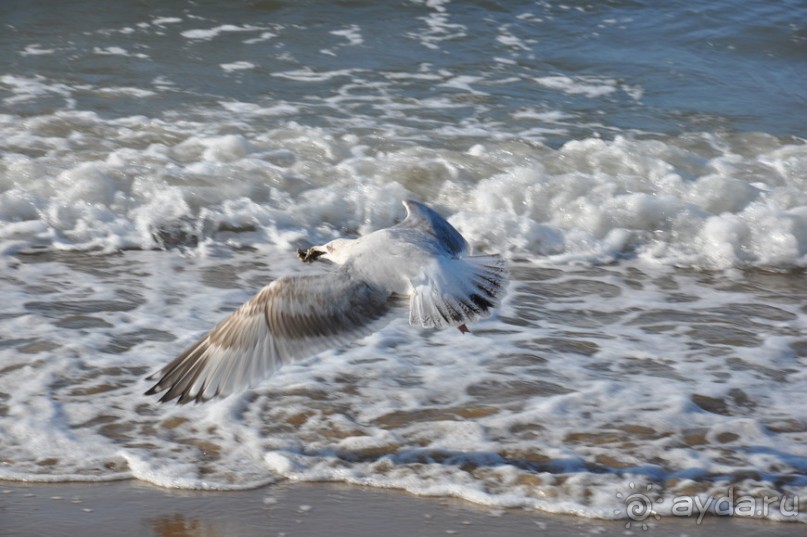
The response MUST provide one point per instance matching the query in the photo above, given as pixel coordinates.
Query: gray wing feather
(421, 217)
(293, 317)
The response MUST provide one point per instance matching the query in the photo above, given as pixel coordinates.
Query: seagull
(423, 261)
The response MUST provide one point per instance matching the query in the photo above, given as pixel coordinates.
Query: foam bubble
(352, 34)
(117, 51)
(585, 85)
(211, 33)
(36, 50)
(161, 21)
(237, 66)
(308, 75)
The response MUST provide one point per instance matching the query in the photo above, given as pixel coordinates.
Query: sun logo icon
(638, 505)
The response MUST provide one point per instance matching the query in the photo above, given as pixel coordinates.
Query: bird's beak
(310, 255)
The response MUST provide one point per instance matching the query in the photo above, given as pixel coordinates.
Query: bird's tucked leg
(464, 329)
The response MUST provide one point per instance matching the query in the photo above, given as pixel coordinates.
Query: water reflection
(179, 525)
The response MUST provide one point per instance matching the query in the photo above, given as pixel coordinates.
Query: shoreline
(132, 507)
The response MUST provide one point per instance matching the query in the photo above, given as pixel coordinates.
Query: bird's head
(336, 251)
(309, 255)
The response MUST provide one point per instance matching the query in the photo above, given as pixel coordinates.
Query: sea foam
(700, 202)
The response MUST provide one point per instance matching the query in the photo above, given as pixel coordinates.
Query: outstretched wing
(455, 291)
(420, 217)
(293, 317)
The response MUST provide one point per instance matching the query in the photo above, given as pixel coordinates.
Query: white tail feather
(458, 291)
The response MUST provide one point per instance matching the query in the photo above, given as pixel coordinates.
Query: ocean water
(642, 165)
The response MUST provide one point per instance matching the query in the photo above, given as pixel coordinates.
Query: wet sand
(305, 509)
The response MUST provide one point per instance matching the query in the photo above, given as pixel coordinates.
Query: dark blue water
(673, 66)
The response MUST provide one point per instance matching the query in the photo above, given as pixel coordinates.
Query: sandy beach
(135, 508)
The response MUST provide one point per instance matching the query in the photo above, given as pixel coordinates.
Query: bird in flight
(422, 262)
